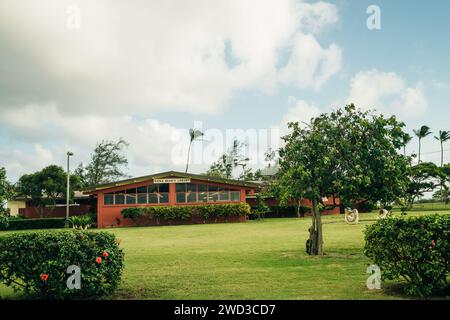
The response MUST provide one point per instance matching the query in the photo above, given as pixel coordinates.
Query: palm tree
(405, 140)
(442, 137)
(422, 133)
(193, 134)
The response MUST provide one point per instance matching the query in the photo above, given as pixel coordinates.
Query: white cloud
(299, 111)
(150, 140)
(155, 56)
(388, 93)
(68, 89)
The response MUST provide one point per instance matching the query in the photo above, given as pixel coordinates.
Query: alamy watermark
(374, 20)
(73, 20)
(374, 280)
(74, 280)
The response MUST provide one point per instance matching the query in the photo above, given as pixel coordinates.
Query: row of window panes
(185, 197)
(153, 194)
(159, 193)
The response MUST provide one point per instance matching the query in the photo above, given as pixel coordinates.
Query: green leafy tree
(46, 187)
(228, 164)
(443, 137)
(423, 132)
(6, 192)
(349, 154)
(422, 178)
(406, 138)
(106, 164)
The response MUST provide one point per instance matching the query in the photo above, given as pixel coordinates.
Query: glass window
(181, 197)
(224, 196)
(142, 198)
(235, 195)
(131, 198)
(152, 198)
(120, 198)
(152, 188)
(192, 197)
(202, 196)
(164, 187)
(191, 187)
(164, 198)
(108, 199)
(180, 187)
(131, 191)
(142, 189)
(202, 188)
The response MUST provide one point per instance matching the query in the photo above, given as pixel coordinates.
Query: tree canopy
(106, 165)
(350, 154)
(45, 187)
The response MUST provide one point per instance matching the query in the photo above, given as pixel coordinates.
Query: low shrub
(4, 222)
(81, 222)
(416, 249)
(37, 263)
(170, 213)
(39, 223)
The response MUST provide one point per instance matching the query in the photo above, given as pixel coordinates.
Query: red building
(164, 189)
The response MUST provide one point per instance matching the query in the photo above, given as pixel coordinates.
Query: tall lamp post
(68, 189)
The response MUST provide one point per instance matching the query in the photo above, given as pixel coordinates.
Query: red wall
(33, 212)
(273, 202)
(110, 215)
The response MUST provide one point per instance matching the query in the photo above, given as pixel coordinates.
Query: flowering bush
(416, 249)
(37, 263)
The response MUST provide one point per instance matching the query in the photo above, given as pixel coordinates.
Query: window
(224, 196)
(142, 198)
(108, 199)
(164, 198)
(181, 197)
(120, 198)
(235, 195)
(152, 198)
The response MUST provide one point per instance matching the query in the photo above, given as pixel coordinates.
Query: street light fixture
(69, 154)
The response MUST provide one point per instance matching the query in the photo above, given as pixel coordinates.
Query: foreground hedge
(186, 212)
(416, 249)
(38, 223)
(37, 262)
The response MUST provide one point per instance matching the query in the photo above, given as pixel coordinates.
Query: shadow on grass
(398, 290)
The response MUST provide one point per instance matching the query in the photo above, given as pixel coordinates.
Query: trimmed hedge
(37, 262)
(170, 213)
(416, 249)
(38, 223)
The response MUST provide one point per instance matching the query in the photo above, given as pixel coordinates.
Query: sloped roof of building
(170, 174)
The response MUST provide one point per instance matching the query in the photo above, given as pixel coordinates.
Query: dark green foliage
(186, 212)
(416, 249)
(25, 258)
(107, 164)
(82, 222)
(44, 223)
(4, 222)
(45, 187)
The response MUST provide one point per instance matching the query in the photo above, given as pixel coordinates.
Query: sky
(74, 73)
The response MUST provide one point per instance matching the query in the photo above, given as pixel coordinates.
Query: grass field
(253, 260)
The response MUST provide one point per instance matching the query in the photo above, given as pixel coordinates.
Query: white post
(68, 189)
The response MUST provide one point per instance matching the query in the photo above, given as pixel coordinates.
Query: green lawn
(253, 260)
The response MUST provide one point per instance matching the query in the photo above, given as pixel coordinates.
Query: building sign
(172, 180)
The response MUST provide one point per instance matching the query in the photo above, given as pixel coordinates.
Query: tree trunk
(420, 145)
(314, 245)
(188, 156)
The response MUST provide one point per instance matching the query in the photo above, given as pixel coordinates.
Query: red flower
(98, 260)
(44, 277)
(105, 254)
(433, 243)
